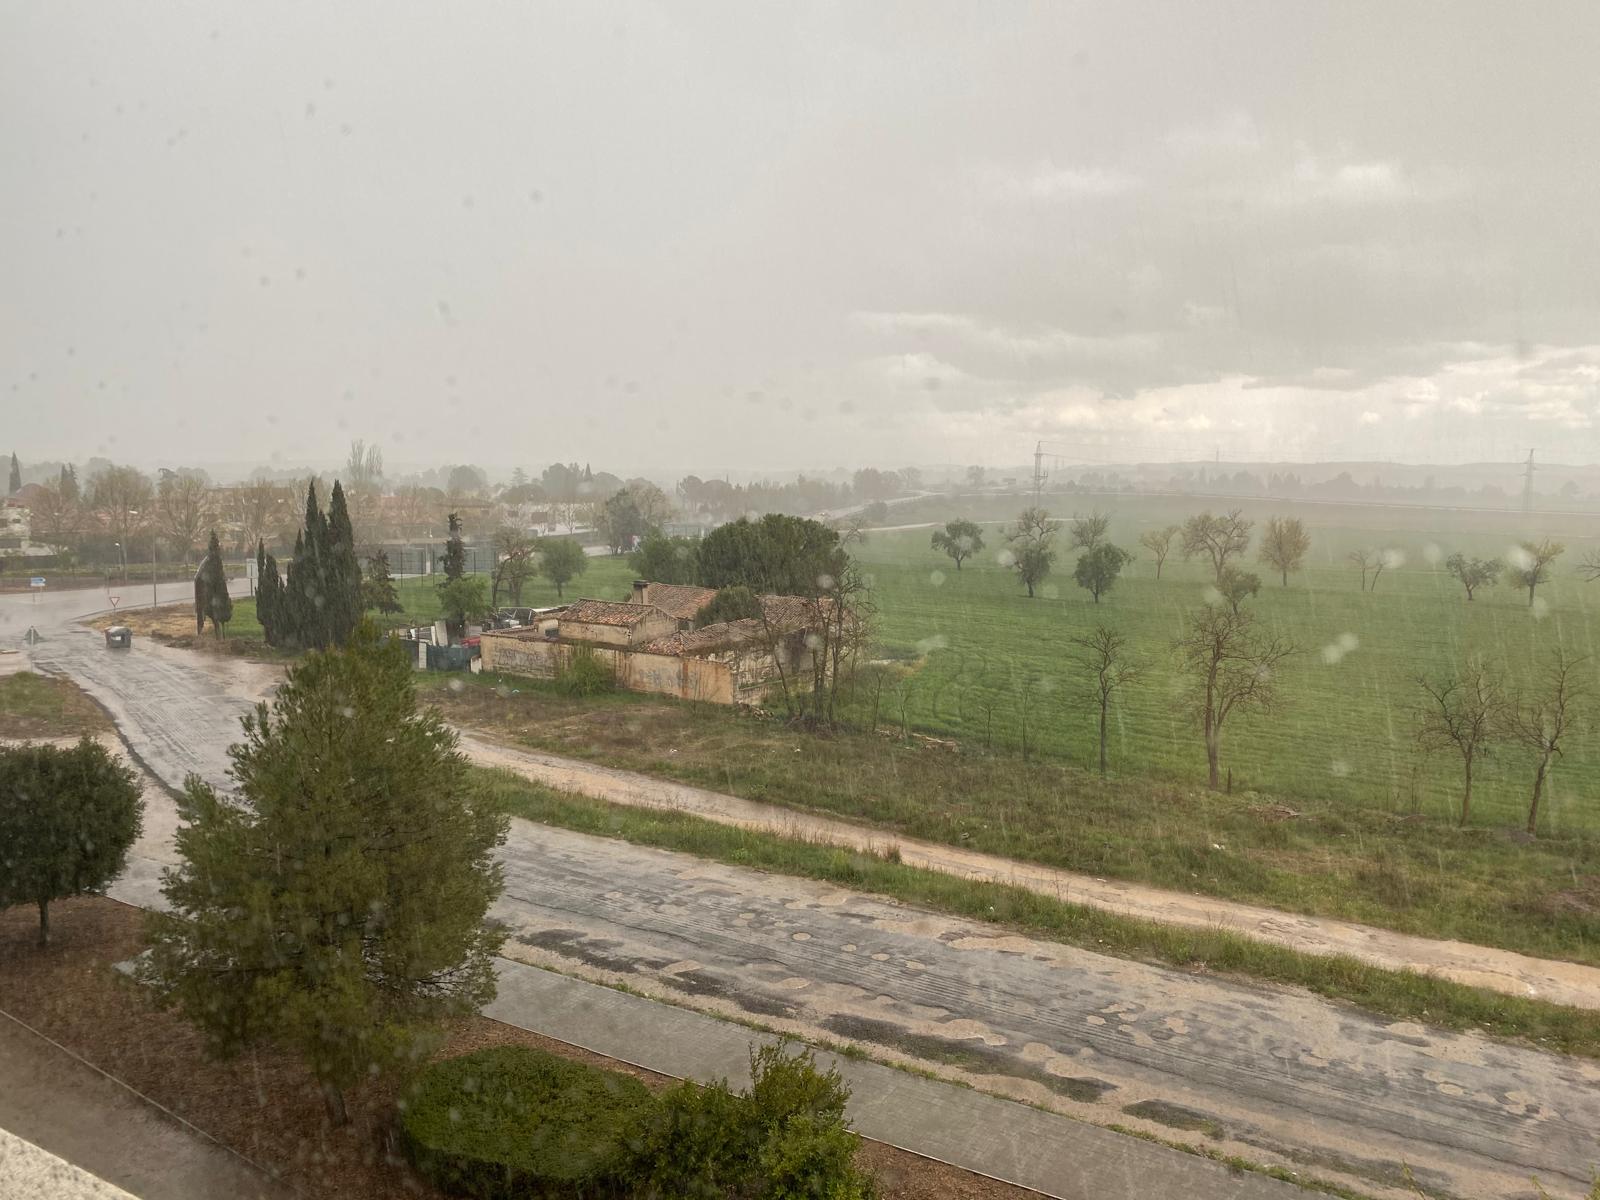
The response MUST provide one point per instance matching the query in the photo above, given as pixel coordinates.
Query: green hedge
(512, 1122)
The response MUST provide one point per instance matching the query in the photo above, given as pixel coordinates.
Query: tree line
(1221, 540)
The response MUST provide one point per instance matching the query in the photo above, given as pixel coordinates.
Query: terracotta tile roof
(608, 612)
(679, 600)
(709, 639)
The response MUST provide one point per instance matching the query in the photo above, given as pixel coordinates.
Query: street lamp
(123, 550)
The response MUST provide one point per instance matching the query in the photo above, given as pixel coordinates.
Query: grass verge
(1371, 864)
(1396, 995)
(42, 706)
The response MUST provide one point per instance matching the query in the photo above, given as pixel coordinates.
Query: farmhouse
(650, 644)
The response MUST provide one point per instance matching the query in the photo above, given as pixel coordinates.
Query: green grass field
(987, 654)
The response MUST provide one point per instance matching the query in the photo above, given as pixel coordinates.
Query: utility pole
(1038, 470)
(152, 571)
(1527, 485)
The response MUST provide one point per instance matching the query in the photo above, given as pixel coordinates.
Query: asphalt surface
(1270, 1074)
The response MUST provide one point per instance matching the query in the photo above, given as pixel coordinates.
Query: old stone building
(650, 644)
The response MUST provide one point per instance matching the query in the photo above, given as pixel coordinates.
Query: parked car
(119, 637)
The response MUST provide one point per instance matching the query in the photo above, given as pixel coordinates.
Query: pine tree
(16, 474)
(297, 916)
(344, 571)
(377, 590)
(211, 599)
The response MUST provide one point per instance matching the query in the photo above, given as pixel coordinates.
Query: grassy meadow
(989, 661)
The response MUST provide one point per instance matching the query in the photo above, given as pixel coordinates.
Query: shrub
(515, 1122)
(585, 675)
(784, 1139)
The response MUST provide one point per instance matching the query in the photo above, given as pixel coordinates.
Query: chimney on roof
(641, 591)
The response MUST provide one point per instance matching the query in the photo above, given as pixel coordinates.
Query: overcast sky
(742, 235)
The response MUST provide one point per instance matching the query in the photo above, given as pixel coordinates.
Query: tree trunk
(1466, 794)
(44, 922)
(1531, 586)
(1213, 751)
(1469, 595)
(1029, 582)
(1158, 568)
(333, 1098)
(1102, 737)
(1538, 791)
(1286, 577)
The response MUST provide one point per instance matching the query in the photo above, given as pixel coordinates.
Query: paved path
(955, 1125)
(55, 1107)
(1270, 1074)
(1480, 966)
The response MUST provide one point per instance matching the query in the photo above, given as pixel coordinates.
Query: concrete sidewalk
(997, 1138)
(55, 1107)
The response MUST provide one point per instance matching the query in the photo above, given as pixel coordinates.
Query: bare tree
(1532, 565)
(1087, 532)
(1541, 721)
(1464, 712)
(257, 510)
(184, 511)
(1159, 543)
(1284, 544)
(1589, 568)
(122, 495)
(1217, 538)
(1108, 669)
(56, 518)
(514, 563)
(1231, 667)
(1365, 560)
(363, 487)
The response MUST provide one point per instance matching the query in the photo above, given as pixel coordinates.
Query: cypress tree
(16, 474)
(211, 599)
(344, 571)
(455, 554)
(292, 606)
(269, 595)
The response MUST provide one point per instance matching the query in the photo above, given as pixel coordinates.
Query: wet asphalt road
(1270, 1074)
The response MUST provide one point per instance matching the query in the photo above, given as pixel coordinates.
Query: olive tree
(1473, 573)
(1284, 545)
(960, 539)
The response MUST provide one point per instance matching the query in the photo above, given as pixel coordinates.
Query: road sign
(115, 600)
(36, 581)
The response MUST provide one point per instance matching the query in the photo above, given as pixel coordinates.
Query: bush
(784, 1139)
(585, 675)
(512, 1122)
